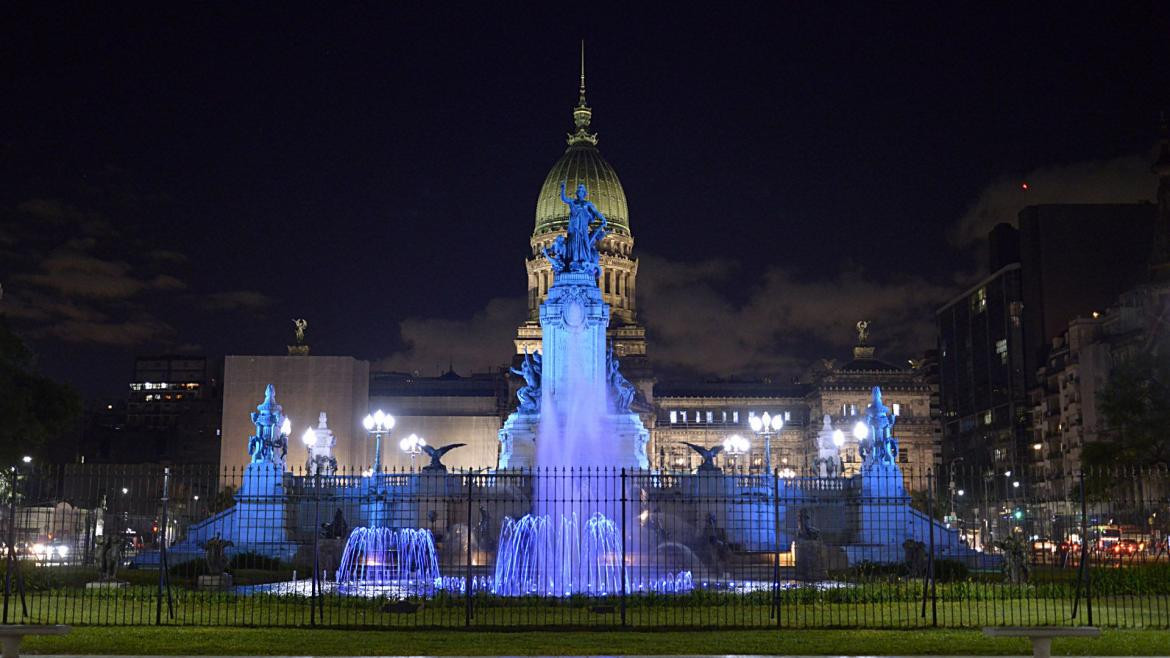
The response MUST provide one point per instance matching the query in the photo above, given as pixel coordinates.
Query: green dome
(582, 163)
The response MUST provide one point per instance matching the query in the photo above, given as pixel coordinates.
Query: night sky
(191, 179)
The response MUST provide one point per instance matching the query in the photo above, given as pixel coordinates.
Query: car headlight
(38, 550)
(62, 551)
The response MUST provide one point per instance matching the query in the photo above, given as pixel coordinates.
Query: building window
(987, 417)
(684, 416)
(724, 416)
(787, 416)
(710, 416)
(673, 417)
(979, 301)
(897, 409)
(1001, 350)
(735, 416)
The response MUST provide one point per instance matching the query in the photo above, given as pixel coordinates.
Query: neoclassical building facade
(470, 408)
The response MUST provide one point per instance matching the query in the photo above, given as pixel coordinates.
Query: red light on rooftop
(1023, 186)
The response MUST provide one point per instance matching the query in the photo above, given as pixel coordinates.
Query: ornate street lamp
(412, 445)
(734, 446)
(378, 424)
(766, 427)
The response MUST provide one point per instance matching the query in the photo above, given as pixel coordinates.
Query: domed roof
(581, 163)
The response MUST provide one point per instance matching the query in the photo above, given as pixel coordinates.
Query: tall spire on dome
(581, 97)
(582, 115)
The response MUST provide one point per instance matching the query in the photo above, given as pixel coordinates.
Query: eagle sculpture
(708, 455)
(436, 455)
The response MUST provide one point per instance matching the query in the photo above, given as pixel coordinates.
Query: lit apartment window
(979, 301)
(1001, 350)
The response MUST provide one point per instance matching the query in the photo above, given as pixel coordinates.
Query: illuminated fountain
(574, 413)
(386, 561)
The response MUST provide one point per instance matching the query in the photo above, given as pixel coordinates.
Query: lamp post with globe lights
(412, 445)
(766, 427)
(735, 445)
(377, 424)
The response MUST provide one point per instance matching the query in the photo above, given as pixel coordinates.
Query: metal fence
(580, 547)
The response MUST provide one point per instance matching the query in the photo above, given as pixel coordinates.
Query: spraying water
(402, 560)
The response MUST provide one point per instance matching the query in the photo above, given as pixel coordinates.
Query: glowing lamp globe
(286, 427)
(379, 417)
(756, 423)
(777, 423)
(368, 423)
(736, 444)
(309, 438)
(838, 438)
(860, 430)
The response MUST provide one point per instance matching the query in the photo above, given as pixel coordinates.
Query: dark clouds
(712, 317)
(75, 276)
(471, 345)
(1118, 180)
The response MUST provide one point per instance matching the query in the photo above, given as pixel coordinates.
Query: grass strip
(325, 642)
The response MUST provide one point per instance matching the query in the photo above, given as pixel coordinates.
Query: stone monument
(828, 460)
(883, 517)
(215, 553)
(575, 407)
(109, 559)
(321, 460)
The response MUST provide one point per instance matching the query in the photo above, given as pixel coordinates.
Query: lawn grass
(139, 606)
(300, 641)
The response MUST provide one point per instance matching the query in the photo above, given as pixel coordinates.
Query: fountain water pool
(378, 559)
(542, 557)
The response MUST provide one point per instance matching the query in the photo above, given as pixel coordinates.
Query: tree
(1135, 403)
(33, 409)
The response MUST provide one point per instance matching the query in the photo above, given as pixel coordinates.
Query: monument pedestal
(219, 583)
(883, 522)
(261, 514)
(518, 441)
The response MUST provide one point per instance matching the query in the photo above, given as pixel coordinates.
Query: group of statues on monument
(621, 391)
(577, 250)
